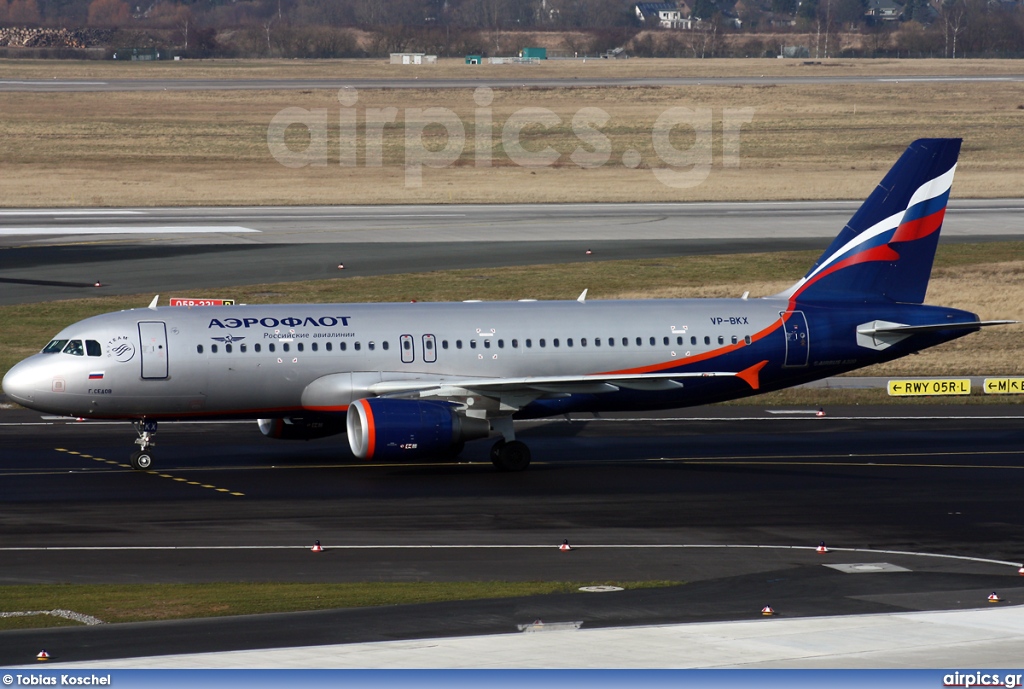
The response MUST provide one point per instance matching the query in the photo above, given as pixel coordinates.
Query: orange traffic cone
(565, 545)
(821, 548)
(767, 611)
(341, 266)
(98, 284)
(42, 655)
(820, 412)
(589, 252)
(317, 548)
(994, 598)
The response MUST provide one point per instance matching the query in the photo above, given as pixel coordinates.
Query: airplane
(417, 380)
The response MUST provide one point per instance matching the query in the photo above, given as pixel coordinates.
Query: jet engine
(391, 428)
(302, 427)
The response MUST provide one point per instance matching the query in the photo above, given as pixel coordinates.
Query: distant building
(666, 15)
(884, 10)
(412, 59)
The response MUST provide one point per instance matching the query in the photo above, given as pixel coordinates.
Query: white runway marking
(128, 229)
(71, 212)
(494, 546)
(19, 82)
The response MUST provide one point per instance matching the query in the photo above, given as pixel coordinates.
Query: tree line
(354, 28)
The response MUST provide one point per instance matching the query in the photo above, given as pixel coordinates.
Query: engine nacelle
(390, 428)
(302, 427)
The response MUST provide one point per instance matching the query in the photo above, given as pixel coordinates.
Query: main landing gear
(508, 454)
(142, 458)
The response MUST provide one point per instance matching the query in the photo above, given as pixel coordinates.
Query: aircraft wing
(535, 386)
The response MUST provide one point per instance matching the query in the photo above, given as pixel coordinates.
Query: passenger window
(256, 348)
(555, 342)
(529, 342)
(199, 349)
(665, 342)
(227, 348)
(286, 347)
(407, 345)
(487, 344)
(371, 346)
(515, 343)
(444, 344)
(54, 346)
(501, 344)
(312, 346)
(721, 340)
(707, 340)
(542, 342)
(357, 346)
(611, 341)
(734, 339)
(243, 349)
(472, 344)
(74, 347)
(385, 345)
(299, 346)
(272, 347)
(327, 345)
(652, 341)
(625, 341)
(458, 344)
(597, 341)
(568, 342)
(746, 338)
(92, 348)
(213, 349)
(693, 339)
(639, 341)
(341, 345)
(679, 340)
(583, 342)
(429, 344)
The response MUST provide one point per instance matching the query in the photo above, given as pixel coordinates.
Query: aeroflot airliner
(415, 380)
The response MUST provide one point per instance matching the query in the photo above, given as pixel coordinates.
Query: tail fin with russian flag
(885, 252)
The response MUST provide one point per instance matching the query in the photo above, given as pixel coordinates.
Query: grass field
(146, 602)
(211, 147)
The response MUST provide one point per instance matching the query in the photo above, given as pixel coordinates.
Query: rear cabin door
(798, 339)
(153, 341)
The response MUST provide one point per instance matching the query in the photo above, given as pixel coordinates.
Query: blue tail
(885, 252)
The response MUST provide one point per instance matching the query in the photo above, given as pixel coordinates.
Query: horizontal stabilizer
(896, 328)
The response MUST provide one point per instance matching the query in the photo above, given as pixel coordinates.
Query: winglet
(583, 297)
(751, 375)
(152, 304)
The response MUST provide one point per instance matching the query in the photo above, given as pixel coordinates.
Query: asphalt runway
(677, 496)
(87, 85)
(58, 253)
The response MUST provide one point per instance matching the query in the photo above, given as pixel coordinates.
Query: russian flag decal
(96, 375)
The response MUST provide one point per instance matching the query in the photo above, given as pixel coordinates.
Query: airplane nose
(18, 383)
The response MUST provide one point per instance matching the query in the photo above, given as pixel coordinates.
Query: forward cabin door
(798, 339)
(153, 351)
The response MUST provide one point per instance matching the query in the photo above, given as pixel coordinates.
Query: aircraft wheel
(141, 460)
(510, 456)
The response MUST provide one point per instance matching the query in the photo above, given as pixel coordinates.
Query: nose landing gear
(142, 459)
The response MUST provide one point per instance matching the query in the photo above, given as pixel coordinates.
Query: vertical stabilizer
(885, 252)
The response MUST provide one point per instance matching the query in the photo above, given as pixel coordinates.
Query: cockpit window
(74, 347)
(54, 346)
(92, 348)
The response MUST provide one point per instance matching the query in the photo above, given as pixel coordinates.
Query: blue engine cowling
(302, 427)
(391, 428)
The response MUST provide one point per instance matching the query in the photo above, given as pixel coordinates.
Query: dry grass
(379, 68)
(210, 148)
